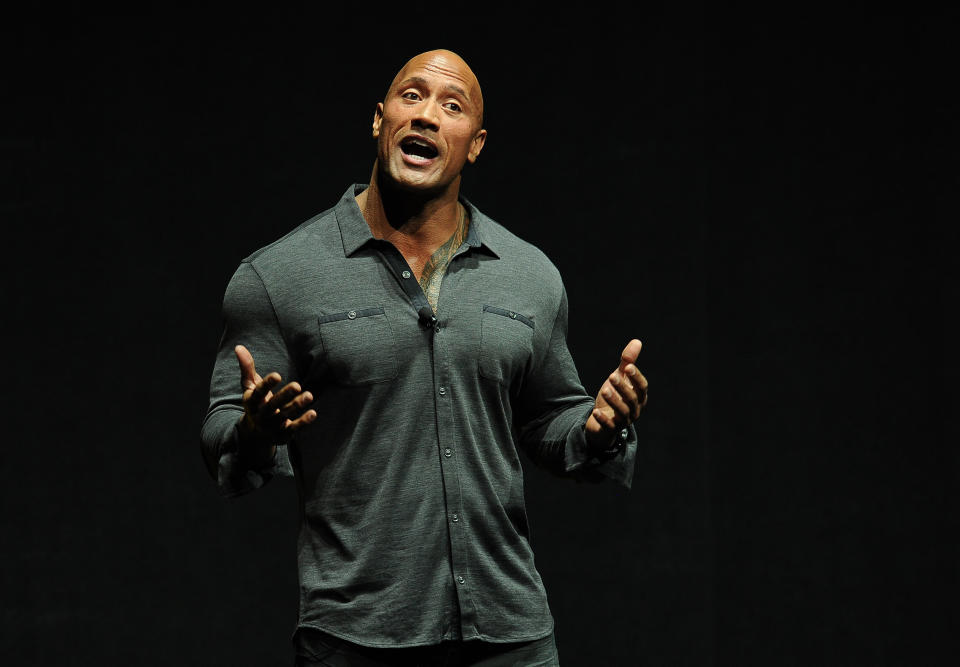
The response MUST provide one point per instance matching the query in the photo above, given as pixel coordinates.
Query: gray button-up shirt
(413, 525)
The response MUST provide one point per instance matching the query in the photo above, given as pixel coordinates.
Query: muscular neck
(417, 226)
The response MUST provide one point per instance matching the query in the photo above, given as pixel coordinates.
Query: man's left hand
(619, 401)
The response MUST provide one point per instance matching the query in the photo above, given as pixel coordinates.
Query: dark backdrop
(767, 200)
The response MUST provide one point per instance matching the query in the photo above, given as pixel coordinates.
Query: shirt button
(352, 315)
(460, 579)
(447, 452)
(405, 274)
(443, 391)
(456, 517)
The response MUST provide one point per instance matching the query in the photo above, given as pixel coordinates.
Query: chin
(413, 181)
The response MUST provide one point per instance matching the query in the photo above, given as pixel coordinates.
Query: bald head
(448, 63)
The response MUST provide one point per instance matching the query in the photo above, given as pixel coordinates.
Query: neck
(410, 220)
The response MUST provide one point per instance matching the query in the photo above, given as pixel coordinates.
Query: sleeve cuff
(616, 463)
(235, 479)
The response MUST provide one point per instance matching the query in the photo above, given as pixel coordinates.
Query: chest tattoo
(436, 266)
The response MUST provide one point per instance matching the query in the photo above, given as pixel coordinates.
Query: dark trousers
(335, 652)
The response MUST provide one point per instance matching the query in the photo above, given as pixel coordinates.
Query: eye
(410, 95)
(453, 106)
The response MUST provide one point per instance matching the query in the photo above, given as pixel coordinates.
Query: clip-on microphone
(427, 318)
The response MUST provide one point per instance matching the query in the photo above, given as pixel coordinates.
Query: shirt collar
(355, 232)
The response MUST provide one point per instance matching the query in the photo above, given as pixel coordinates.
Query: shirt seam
(483, 637)
(276, 318)
(553, 327)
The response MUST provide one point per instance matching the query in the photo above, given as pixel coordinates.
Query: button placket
(457, 528)
(445, 425)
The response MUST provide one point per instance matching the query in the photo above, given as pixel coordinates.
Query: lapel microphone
(427, 318)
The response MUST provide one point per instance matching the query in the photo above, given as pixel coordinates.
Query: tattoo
(436, 266)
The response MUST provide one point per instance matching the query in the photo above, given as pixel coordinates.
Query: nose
(428, 115)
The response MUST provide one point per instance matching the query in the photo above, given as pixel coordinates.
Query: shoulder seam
(256, 253)
(273, 308)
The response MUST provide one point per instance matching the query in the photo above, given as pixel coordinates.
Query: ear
(377, 119)
(476, 145)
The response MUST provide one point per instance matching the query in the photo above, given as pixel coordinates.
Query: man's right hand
(268, 418)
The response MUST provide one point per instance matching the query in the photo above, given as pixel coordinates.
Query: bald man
(408, 348)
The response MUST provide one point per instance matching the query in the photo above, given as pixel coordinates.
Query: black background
(768, 199)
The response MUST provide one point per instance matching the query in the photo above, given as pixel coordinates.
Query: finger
(615, 400)
(261, 391)
(293, 408)
(630, 353)
(282, 397)
(629, 393)
(639, 382)
(248, 371)
(306, 418)
(621, 382)
(605, 418)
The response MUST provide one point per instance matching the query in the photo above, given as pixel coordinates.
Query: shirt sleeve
(248, 319)
(553, 409)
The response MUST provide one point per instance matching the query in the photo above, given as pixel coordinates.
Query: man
(422, 345)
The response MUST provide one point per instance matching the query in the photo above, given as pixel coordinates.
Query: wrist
(253, 447)
(606, 448)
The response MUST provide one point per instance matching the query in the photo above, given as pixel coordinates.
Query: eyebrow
(423, 82)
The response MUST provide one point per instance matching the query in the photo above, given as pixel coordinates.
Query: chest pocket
(356, 345)
(506, 343)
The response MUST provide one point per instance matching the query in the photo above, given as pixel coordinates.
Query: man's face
(428, 126)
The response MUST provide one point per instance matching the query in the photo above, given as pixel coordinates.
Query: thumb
(248, 372)
(630, 353)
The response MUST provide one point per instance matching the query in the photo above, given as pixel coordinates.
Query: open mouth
(419, 148)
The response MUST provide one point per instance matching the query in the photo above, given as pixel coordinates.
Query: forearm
(559, 444)
(255, 455)
(552, 412)
(238, 465)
